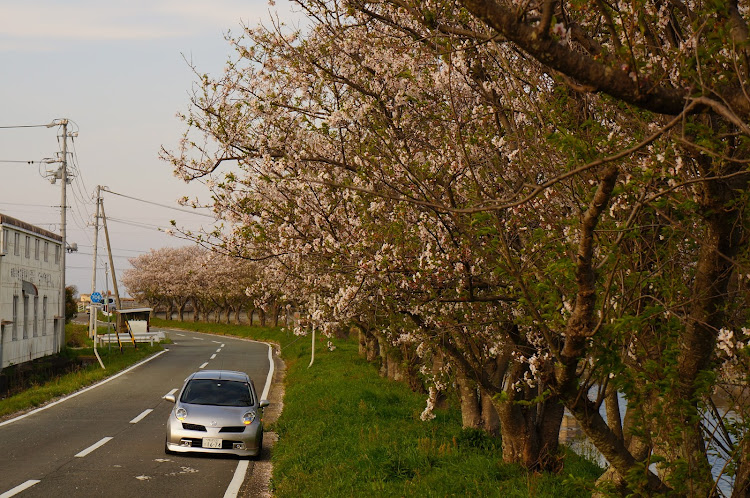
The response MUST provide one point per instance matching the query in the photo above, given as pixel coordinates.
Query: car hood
(221, 415)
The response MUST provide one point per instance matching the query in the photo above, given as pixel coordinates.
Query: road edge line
(238, 479)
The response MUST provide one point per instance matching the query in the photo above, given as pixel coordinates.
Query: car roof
(221, 375)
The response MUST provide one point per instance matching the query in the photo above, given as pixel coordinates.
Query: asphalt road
(54, 452)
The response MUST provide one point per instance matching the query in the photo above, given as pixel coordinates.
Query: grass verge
(345, 431)
(43, 392)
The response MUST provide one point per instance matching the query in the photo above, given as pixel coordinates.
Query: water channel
(572, 436)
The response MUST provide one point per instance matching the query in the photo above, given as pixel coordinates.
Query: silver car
(217, 411)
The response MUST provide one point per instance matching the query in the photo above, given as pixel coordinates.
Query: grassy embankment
(46, 390)
(345, 431)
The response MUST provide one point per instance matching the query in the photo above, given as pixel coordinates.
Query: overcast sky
(117, 70)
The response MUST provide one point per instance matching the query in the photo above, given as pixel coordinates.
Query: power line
(157, 204)
(119, 249)
(24, 204)
(48, 125)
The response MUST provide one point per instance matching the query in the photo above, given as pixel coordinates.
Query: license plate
(211, 442)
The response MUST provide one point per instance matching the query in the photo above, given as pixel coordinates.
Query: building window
(15, 318)
(5, 241)
(57, 255)
(25, 316)
(17, 244)
(28, 247)
(36, 249)
(46, 251)
(44, 315)
(36, 316)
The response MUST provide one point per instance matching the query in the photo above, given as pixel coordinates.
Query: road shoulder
(258, 483)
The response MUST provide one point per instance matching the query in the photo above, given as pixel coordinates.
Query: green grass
(345, 431)
(114, 362)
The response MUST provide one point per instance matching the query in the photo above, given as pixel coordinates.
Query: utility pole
(109, 309)
(92, 317)
(112, 265)
(63, 227)
(93, 309)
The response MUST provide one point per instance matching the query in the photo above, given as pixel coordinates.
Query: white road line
(81, 391)
(216, 342)
(219, 350)
(94, 446)
(267, 387)
(237, 480)
(171, 392)
(221, 346)
(27, 485)
(181, 335)
(204, 365)
(141, 416)
(213, 356)
(198, 338)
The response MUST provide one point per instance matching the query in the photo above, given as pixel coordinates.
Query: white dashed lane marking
(19, 488)
(213, 356)
(94, 446)
(141, 416)
(204, 365)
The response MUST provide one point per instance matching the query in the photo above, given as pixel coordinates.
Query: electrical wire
(157, 204)
(119, 249)
(48, 125)
(24, 204)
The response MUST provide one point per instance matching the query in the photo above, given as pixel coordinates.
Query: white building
(30, 292)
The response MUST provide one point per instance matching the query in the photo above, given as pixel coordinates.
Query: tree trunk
(471, 412)
(490, 418)
(362, 350)
(238, 309)
(275, 310)
(383, 349)
(181, 311)
(373, 348)
(262, 317)
(742, 475)
(250, 317)
(530, 433)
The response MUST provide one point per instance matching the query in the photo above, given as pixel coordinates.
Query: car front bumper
(246, 443)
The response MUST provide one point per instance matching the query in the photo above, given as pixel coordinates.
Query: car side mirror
(170, 397)
(264, 403)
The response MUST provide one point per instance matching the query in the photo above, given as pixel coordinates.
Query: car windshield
(217, 392)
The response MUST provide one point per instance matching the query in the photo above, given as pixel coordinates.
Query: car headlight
(180, 413)
(248, 418)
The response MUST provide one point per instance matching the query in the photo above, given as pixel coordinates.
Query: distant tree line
(209, 284)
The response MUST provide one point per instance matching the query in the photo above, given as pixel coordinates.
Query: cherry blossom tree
(551, 197)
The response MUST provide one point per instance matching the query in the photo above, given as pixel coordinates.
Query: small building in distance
(31, 288)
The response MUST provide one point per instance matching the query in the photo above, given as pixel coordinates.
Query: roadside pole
(109, 308)
(93, 311)
(63, 214)
(312, 356)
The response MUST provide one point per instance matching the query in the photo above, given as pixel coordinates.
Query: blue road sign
(96, 297)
